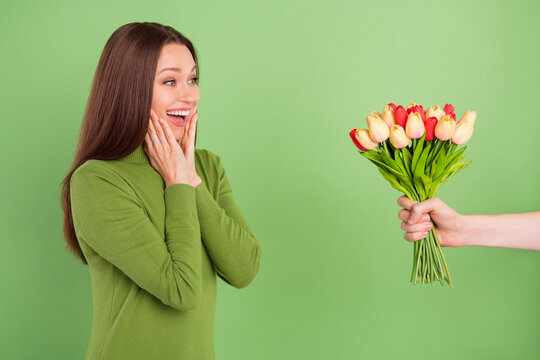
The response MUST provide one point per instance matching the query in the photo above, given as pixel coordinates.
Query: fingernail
(429, 226)
(161, 120)
(424, 234)
(152, 113)
(426, 218)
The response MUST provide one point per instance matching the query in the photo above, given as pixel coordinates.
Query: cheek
(159, 99)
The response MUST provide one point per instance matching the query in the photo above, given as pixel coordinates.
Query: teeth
(181, 113)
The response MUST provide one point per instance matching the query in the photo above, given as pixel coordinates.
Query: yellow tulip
(363, 137)
(378, 129)
(411, 104)
(445, 128)
(398, 137)
(388, 115)
(415, 126)
(377, 114)
(435, 111)
(463, 133)
(469, 117)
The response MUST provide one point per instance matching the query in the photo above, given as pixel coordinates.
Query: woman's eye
(193, 80)
(168, 81)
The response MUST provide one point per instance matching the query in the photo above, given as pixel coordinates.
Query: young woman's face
(176, 93)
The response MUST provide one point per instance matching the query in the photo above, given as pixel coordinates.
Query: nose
(185, 93)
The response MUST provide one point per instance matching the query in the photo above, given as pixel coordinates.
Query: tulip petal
(401, 116)
(353, 137)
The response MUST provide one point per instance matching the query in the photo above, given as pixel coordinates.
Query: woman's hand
(416, 220)
(175, 164)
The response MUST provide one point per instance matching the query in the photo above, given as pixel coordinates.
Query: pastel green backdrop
(282, 83)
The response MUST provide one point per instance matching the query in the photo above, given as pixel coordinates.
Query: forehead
(175, 56)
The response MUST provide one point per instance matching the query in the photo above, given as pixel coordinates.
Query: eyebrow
(175, 69)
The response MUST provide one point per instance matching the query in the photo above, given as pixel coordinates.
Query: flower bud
(415, 126)
(411, 104)
(398, 138)
(377, 114)
(352, 134)
(435, 111)
(449, 109)
(363, 137)
(430, 128)
(418, 109)
(463, 133)
(388, 115)
(378, 129)
(445, 128)
(468, 117)
(400, 116)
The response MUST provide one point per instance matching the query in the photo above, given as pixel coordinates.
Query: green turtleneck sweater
(153, 254)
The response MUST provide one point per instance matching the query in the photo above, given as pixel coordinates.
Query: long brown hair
(117, 113)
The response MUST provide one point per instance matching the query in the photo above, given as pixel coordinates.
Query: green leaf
(417, 152)
(395, 183)
(420, 166)
(377, 160)
(455, 155)
(427, 183)
(440, 161)
(437, 183)
(419, 186)
(390, 162)
(399, 161)
(436, 149)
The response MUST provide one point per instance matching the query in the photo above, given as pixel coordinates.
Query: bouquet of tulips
(416, 152)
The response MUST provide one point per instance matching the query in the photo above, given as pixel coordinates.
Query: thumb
(420, 209)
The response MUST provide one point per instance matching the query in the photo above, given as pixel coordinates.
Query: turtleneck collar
(138, 156)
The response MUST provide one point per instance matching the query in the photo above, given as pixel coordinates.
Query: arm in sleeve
(228, 238)
(108, 217)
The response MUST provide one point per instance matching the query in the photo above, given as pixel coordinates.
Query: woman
(153, 218)
(516, 231)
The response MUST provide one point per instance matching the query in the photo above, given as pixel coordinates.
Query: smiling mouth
(178, 117)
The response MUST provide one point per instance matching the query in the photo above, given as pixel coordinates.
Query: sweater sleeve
(228, 238)
(109, 218)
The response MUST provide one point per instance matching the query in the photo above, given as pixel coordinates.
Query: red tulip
(393, 106)
(401, 116)
(355, 141)
(430, 128)
(417, 109)
(449, 109)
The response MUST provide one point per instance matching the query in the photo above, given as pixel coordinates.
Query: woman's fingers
(405, 202)
(404, 215)
(167, 132)
(192, 131)
(153, 136)
(160, 131)
(418, 210)
(415, 236)
(420, 227)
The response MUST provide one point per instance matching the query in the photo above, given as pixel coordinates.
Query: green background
(282, 83)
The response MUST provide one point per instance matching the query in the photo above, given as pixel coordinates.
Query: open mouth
(178, 118)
